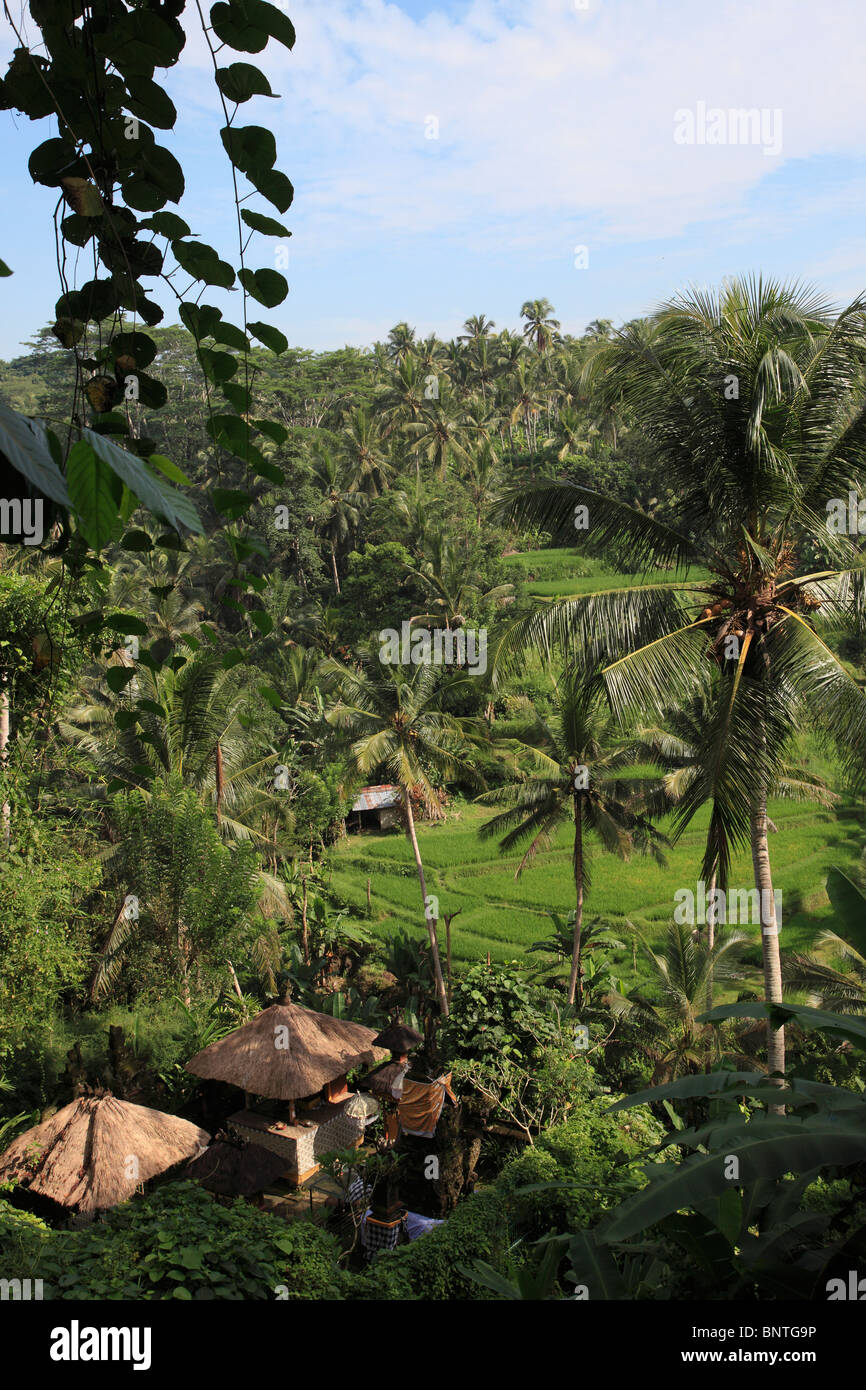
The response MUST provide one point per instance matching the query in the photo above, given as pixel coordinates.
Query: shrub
(593, 1150)
(22, 1242)
(180, 1242)
(429, 1268)
(486, 1225)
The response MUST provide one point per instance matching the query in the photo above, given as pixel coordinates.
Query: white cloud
(555, 125)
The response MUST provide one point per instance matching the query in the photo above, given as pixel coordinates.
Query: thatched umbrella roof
(382, 1081)
(287, 1052)
(398, 1037)
(93, 1153)
(235, 1167)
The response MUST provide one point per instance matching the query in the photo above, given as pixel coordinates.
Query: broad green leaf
(217, 366)
(849, 905)
(239, 397)
(94, 493)
(138, 347)
(276, 24)
(156, 178)
(232, 23)
(117, 678)
(702, 1084)
(270, 336)
(240, 81)
(171, 470)
(230, 502)
(152, 492)
(813, 1020)
(594, 1266)
(268, 226)
(275, 187)
(25, 444)
(200, 319)
(272, 430)
(251, 148)
(231, 336)
(246, 25)
(230, 431)
(127, 624)
(54, 160)
(167, 224)
(767, 1147)
(202, 262)
(267, 286)
(136, 540)
(150, 102)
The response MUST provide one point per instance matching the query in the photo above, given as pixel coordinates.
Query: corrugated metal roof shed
(374, 798)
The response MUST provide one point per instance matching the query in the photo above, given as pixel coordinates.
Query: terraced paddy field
(504, 915)
(562, 572)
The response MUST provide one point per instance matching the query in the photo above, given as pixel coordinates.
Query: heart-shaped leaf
(270, 336)
(267, 286)
(240, 81)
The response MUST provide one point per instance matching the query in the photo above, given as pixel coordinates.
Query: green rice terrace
(504, 915)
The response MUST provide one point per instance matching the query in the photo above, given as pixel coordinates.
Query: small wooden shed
(375, 808)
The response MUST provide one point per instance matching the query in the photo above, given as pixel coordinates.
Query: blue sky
(555, 131)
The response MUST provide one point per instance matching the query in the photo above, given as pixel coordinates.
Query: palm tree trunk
(306, 934)
(711, 934)
(575, 985)
(769, 935)
(429, 920)
(334, 569)
(6, 810)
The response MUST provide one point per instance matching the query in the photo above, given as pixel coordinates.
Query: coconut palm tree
(393, 716)
(674, 748)
(580, 776)
(596, 941)
(449, 580)
(401, 341)
(367, 468)
(667, 1002)
(200, 727)
(401, 397)
(540, 325)
(431, 354)
(196, 726)
(442, 433)
(479, 478)
(341, 507)
(527, 401)
(752, 403)
(573, 431)
(476, 328)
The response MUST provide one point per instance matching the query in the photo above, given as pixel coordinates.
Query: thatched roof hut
(386, 1081)
(236, 1168)
(399, 1038)
(95, 1152)
(287, 1052)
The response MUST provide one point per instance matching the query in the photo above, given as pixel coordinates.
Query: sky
(462, 157)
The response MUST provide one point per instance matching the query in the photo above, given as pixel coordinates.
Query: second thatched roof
(287, 1052)
(399, 1038)
(94, 1153)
